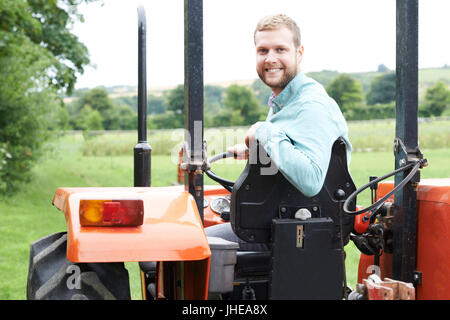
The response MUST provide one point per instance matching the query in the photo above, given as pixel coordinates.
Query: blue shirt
(302, 125)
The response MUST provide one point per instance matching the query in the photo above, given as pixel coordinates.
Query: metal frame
(406, 144)
(142, 151)
(193, 99)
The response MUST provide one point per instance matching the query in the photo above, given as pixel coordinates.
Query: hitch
(374, 288)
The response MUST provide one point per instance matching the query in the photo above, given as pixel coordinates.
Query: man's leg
(225, 231)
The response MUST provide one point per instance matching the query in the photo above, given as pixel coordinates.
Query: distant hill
(427, 77)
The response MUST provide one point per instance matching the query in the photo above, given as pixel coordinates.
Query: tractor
(400, 235)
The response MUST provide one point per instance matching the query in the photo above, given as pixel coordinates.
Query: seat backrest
(258, 199)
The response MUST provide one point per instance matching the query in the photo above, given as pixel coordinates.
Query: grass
(29, 215)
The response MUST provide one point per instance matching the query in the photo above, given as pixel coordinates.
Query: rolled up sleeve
(300, 147)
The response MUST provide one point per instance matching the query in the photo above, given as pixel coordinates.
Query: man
(303, 121)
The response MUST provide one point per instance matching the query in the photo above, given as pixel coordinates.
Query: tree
(155, 105)
(39, 59)
(213, 100)
(99, 100)
(437, 99)
(127, 117)
(175, 106)
(382, 68)
(244, 108)
(262, 91)
(114, 114)
(89, 120)
(175, 100)
(346, 91)
(382, 89)
(47, 25)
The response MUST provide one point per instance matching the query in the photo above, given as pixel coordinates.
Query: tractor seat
(258, 200)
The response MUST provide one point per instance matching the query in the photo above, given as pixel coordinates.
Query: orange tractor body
(172, 231)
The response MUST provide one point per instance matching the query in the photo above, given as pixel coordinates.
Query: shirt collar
(278, 102)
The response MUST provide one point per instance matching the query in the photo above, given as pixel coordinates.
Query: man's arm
(301, 149)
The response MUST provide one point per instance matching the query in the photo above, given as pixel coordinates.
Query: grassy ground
(29, 215)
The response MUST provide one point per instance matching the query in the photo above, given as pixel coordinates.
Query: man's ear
(300, 51)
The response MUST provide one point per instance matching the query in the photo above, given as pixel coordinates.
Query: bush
(437, 99)
(27, 112)
(363, 112)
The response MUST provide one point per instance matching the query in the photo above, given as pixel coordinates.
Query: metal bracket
(194, 165)
(406, 156)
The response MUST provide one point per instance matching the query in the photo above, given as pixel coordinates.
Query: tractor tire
(52, 277)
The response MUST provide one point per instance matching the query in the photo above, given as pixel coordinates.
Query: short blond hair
(278, 21)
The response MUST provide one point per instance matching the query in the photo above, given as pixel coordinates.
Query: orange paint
(172, 228)
(360, 226)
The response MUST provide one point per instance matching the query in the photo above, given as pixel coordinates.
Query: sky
(341, 35)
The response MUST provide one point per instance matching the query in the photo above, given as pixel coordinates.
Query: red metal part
(360, 226)
(375, 289)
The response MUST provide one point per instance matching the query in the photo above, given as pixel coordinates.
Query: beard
(283, 82)
(288, 75)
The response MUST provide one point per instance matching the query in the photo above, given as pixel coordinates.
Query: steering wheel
(227, 184)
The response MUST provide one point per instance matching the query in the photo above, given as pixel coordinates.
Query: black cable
(227, 184)
(377, 205)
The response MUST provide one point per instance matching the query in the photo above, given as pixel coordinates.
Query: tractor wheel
(52, 277)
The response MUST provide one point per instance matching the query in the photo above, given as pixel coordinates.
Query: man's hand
(240, 151)
(250, 137)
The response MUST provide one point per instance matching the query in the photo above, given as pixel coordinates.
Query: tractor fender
(172, 229)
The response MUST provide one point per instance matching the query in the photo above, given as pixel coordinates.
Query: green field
(70, 162)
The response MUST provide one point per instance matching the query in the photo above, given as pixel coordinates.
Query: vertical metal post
(405, 219)
(142, 151)
(193, 97)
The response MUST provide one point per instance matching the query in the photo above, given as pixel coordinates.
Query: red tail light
(107, 213)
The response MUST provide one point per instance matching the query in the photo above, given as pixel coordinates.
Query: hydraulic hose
(375, 206)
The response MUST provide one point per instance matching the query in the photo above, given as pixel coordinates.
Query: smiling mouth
(272, 70)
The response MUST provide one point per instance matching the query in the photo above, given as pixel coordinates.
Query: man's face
(277, 58)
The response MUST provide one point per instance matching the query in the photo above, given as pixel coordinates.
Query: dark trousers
(226, 232)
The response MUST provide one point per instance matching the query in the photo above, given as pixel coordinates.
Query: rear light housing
(111, 213)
